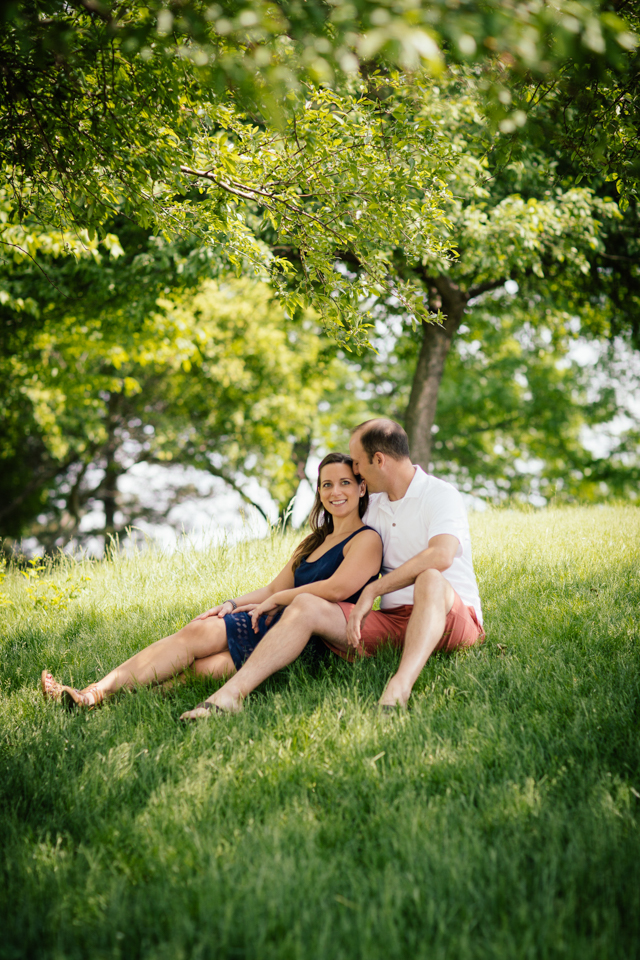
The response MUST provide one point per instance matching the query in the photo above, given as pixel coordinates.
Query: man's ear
(379, 459)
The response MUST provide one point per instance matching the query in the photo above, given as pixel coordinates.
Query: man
(429, 592)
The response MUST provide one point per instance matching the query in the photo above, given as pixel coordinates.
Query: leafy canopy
(216, 379)
(136, 108)
(509, 411)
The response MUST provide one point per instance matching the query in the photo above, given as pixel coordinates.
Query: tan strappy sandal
(51, 689)
(73, 698)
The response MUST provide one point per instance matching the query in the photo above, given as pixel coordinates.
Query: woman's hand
(220, 611)
(223, 609)
(269, 605)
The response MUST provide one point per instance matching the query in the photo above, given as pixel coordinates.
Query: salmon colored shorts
(462, 628)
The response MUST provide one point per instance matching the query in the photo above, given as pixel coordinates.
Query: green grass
(498, 818)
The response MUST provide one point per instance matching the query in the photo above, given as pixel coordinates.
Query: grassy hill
(498, 818)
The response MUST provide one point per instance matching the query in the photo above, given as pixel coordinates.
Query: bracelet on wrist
(232, 602)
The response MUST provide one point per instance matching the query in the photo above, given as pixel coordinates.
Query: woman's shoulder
(370, 532)
(365, 535)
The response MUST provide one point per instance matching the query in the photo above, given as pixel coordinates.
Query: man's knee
(430, 584)
(305, 605)
(306, 612)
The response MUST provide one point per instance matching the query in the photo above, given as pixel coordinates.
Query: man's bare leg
(307, 615)
(432, 601)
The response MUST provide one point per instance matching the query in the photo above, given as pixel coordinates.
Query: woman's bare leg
(198, 640)
(219, 666)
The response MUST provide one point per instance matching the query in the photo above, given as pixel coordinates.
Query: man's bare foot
(394, 696)
(227, 700)
(200, 711)
(214, 704)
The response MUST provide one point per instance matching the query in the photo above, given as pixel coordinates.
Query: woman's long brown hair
(320, 520)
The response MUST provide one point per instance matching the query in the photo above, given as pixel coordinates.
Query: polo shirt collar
(413, 490)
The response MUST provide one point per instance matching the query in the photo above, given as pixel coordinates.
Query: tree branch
(26, 253)
(494, 426)
(234, 486)
(486, 286)
(92, 6)
(261, 193)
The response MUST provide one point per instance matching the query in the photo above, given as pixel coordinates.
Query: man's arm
(439, 555)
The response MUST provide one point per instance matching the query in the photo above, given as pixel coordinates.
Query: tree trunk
(436, 343)
(70, 519)
(299, 454)
(112, 470)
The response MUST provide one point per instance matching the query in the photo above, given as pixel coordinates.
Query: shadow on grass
(497, 818)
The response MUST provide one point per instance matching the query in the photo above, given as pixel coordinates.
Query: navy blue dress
(241, 638)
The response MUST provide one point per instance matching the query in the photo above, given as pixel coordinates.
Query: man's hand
(269, 605)
(361, 610)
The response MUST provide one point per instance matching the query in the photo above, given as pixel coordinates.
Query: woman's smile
(339, 490)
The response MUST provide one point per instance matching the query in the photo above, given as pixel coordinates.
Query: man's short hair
(383, 436)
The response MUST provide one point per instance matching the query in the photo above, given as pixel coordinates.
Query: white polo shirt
(428, 508)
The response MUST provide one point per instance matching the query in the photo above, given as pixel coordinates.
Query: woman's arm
(248, 601)
(361, 562)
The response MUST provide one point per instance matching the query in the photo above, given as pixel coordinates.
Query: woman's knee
(202, 637)
(186, 634)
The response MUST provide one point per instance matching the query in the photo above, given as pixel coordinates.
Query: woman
(338, 558)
